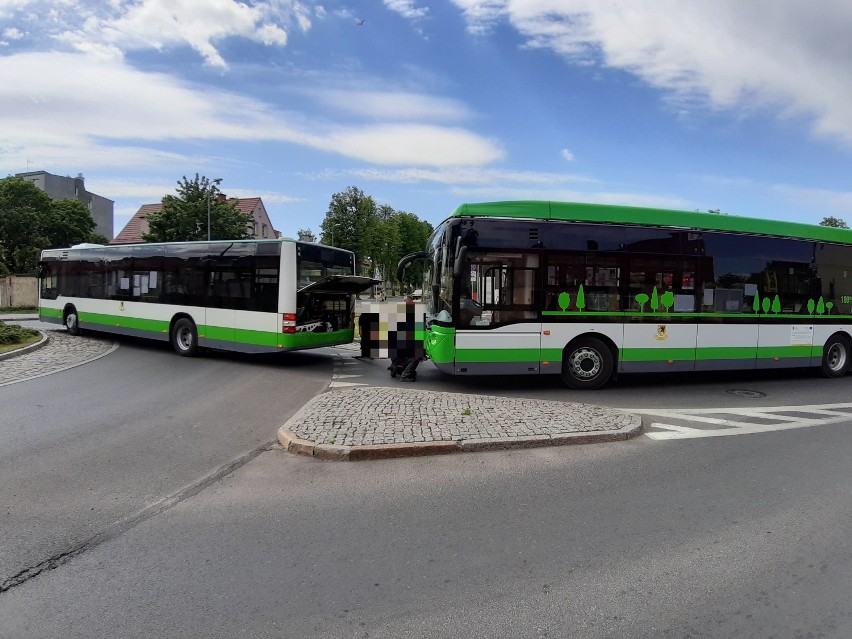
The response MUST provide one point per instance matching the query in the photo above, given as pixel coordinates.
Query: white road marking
(808, 416)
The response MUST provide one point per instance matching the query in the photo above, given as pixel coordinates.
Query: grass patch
(13, 337)
(9, 310)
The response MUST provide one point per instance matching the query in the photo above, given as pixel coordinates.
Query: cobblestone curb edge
(332, 452)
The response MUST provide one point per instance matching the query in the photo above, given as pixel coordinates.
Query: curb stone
(341, 410)
(27, 349)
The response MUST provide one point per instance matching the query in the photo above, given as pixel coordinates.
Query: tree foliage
(31, 221)
(835, 222)
(378, 235)
(184, 216)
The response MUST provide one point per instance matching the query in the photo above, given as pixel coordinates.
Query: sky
(687, 104)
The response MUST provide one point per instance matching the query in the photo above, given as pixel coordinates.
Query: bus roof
(277, 240)
(578, 212)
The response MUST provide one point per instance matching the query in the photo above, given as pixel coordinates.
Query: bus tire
(587, 364)
(72, 321)
(835, 356)
(185, 337)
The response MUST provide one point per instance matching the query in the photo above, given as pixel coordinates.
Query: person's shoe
(406, 379)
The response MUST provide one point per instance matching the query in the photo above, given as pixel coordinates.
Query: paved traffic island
(56, 352)
(356, 424)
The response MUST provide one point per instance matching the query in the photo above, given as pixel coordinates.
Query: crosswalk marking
(731, 420)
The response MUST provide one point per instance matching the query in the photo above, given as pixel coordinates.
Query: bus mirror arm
(461, 258)
(408, 259)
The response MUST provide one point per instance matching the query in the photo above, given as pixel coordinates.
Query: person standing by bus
(407, 358)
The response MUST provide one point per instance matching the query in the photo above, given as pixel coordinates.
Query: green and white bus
(587, 291)
(248, 295)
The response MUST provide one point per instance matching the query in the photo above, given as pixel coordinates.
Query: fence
(18, 290)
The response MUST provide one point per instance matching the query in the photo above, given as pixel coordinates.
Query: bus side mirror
(461, 258)
(405, 261)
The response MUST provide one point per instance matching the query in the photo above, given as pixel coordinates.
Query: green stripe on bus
(702, 354)
(656, 354)
(260, 338)
(312, 340)
(497, 355)
(785, 352)
(661, 317)
(50, 312)
(161, 327)
(125, 321)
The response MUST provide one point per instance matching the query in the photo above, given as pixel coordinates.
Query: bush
(15, 334)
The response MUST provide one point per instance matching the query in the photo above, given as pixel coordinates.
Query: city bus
(589, 291)
(243, 295)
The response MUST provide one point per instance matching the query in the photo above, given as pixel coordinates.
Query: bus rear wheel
(185, 337)
(72, 321)
(587, 364)
(835, 356)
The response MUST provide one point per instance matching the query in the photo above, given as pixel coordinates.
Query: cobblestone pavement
(370, 423)
(61, 352)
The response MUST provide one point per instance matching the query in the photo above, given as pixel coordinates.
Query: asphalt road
(88, 448)
(718, 537)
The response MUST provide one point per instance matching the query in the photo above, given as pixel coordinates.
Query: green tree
(184, 216)
(387, 243)
(776, 304)
(581, 299)
(31, 221)
(413, 236)
(655, 300)
(667, 300)
(836, 222)
(350, 223)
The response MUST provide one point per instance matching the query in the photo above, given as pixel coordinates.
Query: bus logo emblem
(661, 335)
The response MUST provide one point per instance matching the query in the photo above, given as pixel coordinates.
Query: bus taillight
(288, 323)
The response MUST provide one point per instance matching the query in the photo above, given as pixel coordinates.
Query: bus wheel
(835, 356)
(185, 337)
(587, 364)
(72, 321)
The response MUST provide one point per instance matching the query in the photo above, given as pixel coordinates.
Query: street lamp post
(217, 182)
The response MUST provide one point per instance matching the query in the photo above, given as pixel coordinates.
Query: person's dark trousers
(409, 373)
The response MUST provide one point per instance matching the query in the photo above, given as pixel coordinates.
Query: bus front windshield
(437, 277)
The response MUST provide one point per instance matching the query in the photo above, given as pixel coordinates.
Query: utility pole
(217, 182)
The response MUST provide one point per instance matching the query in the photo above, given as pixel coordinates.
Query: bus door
(220, 316)
(498, 329)
(229, 292)
(661, 331)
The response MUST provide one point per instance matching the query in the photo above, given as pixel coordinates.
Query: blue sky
(731, 105)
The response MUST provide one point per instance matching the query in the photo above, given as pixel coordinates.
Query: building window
(264, 230)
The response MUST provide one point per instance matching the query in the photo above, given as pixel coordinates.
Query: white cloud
(822, 202)
(730, 54)
(418, 144)
(408, 9)
(12, 33)
(43, 113)
(393, 105)
(158, 24)
(455, 175)
(567, 155)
